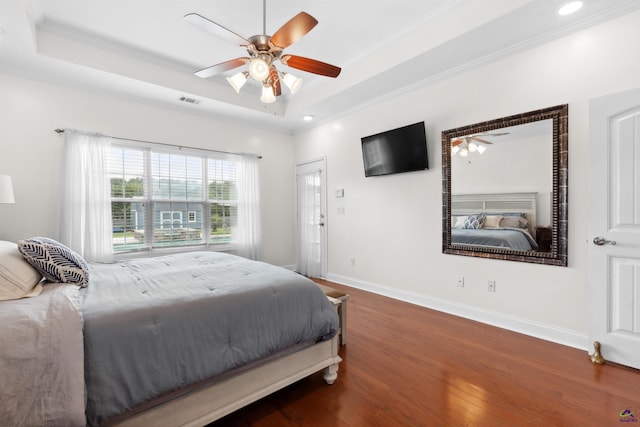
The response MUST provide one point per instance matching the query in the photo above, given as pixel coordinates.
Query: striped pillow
(55, 261)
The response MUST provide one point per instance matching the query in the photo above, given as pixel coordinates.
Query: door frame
(315, 163)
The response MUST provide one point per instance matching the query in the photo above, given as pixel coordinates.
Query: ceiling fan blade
(475, 138)
(221, 67)
(274, 81)
(311, 65)
(293, 30)
(494, 134)
(457, 142)
(216, 29)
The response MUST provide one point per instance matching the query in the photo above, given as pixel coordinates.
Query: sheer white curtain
(308, 260)
(85, 202)
(248, 234)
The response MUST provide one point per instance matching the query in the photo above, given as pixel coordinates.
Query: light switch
(339, 193)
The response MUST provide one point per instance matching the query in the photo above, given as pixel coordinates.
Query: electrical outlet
(460, 281)
(491, 285)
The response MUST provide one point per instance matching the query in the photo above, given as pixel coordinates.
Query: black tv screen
(395, 151)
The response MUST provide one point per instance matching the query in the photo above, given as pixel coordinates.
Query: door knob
(602, 241)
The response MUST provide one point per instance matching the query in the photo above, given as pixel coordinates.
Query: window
(163, 198)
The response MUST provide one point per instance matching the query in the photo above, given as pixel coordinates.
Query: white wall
(30, 152)
(392, 224)
(516, 165)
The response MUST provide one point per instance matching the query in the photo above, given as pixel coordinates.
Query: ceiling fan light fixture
(259, 68)
(454, 150)
(267, 96)
(238, 80)
(472, 147)
(292, 82)
(481, 149)
(264, 51)
(464, 152)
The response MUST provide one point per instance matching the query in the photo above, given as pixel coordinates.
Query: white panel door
(614, 226)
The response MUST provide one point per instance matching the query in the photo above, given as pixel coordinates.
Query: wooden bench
(339, 298)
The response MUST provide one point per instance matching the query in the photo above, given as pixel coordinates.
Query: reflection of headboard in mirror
(500, 203)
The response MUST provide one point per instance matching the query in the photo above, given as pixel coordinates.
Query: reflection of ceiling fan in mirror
(263, 52)
(472, 143)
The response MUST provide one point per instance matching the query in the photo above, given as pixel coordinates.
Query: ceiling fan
(264, 51)
(468, 144)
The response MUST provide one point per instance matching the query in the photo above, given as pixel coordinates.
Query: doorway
(311, 221)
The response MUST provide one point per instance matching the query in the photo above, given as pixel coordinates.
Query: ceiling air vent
(189, 100)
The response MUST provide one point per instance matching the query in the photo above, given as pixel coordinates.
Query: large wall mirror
(504, 185)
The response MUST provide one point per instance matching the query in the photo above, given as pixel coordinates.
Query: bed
(173, 340)
(504, 220)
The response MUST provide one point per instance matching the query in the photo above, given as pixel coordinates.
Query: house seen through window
(164, 199)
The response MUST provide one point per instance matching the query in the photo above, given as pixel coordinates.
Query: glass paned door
(310, 219)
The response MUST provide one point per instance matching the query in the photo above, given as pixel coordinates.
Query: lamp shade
(293, 83)
(6, 189)
(259, 69)
(238, 80)
(267, 95)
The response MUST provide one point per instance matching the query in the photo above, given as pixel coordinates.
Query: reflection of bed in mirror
(502, 220)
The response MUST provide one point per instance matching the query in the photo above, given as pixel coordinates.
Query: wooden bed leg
(330, 373)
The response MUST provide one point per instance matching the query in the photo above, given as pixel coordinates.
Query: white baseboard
(528, 327)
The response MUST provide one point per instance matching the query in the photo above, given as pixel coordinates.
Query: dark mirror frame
(559, 216)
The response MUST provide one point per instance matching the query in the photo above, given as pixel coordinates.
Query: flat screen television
(395, 151)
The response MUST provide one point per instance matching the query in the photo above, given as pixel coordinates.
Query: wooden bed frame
(240, 388)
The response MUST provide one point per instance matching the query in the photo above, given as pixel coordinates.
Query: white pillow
(18, 279)
(458, 221)
(492, 221)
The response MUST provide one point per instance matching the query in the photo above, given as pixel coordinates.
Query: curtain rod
(59, 131)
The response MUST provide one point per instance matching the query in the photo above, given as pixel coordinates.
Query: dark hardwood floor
(406, 365)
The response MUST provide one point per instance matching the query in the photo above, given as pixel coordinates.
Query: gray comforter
(508, 238)
(158, 324)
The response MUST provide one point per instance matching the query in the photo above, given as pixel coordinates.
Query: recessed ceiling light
(308, 118)
(570, 8)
